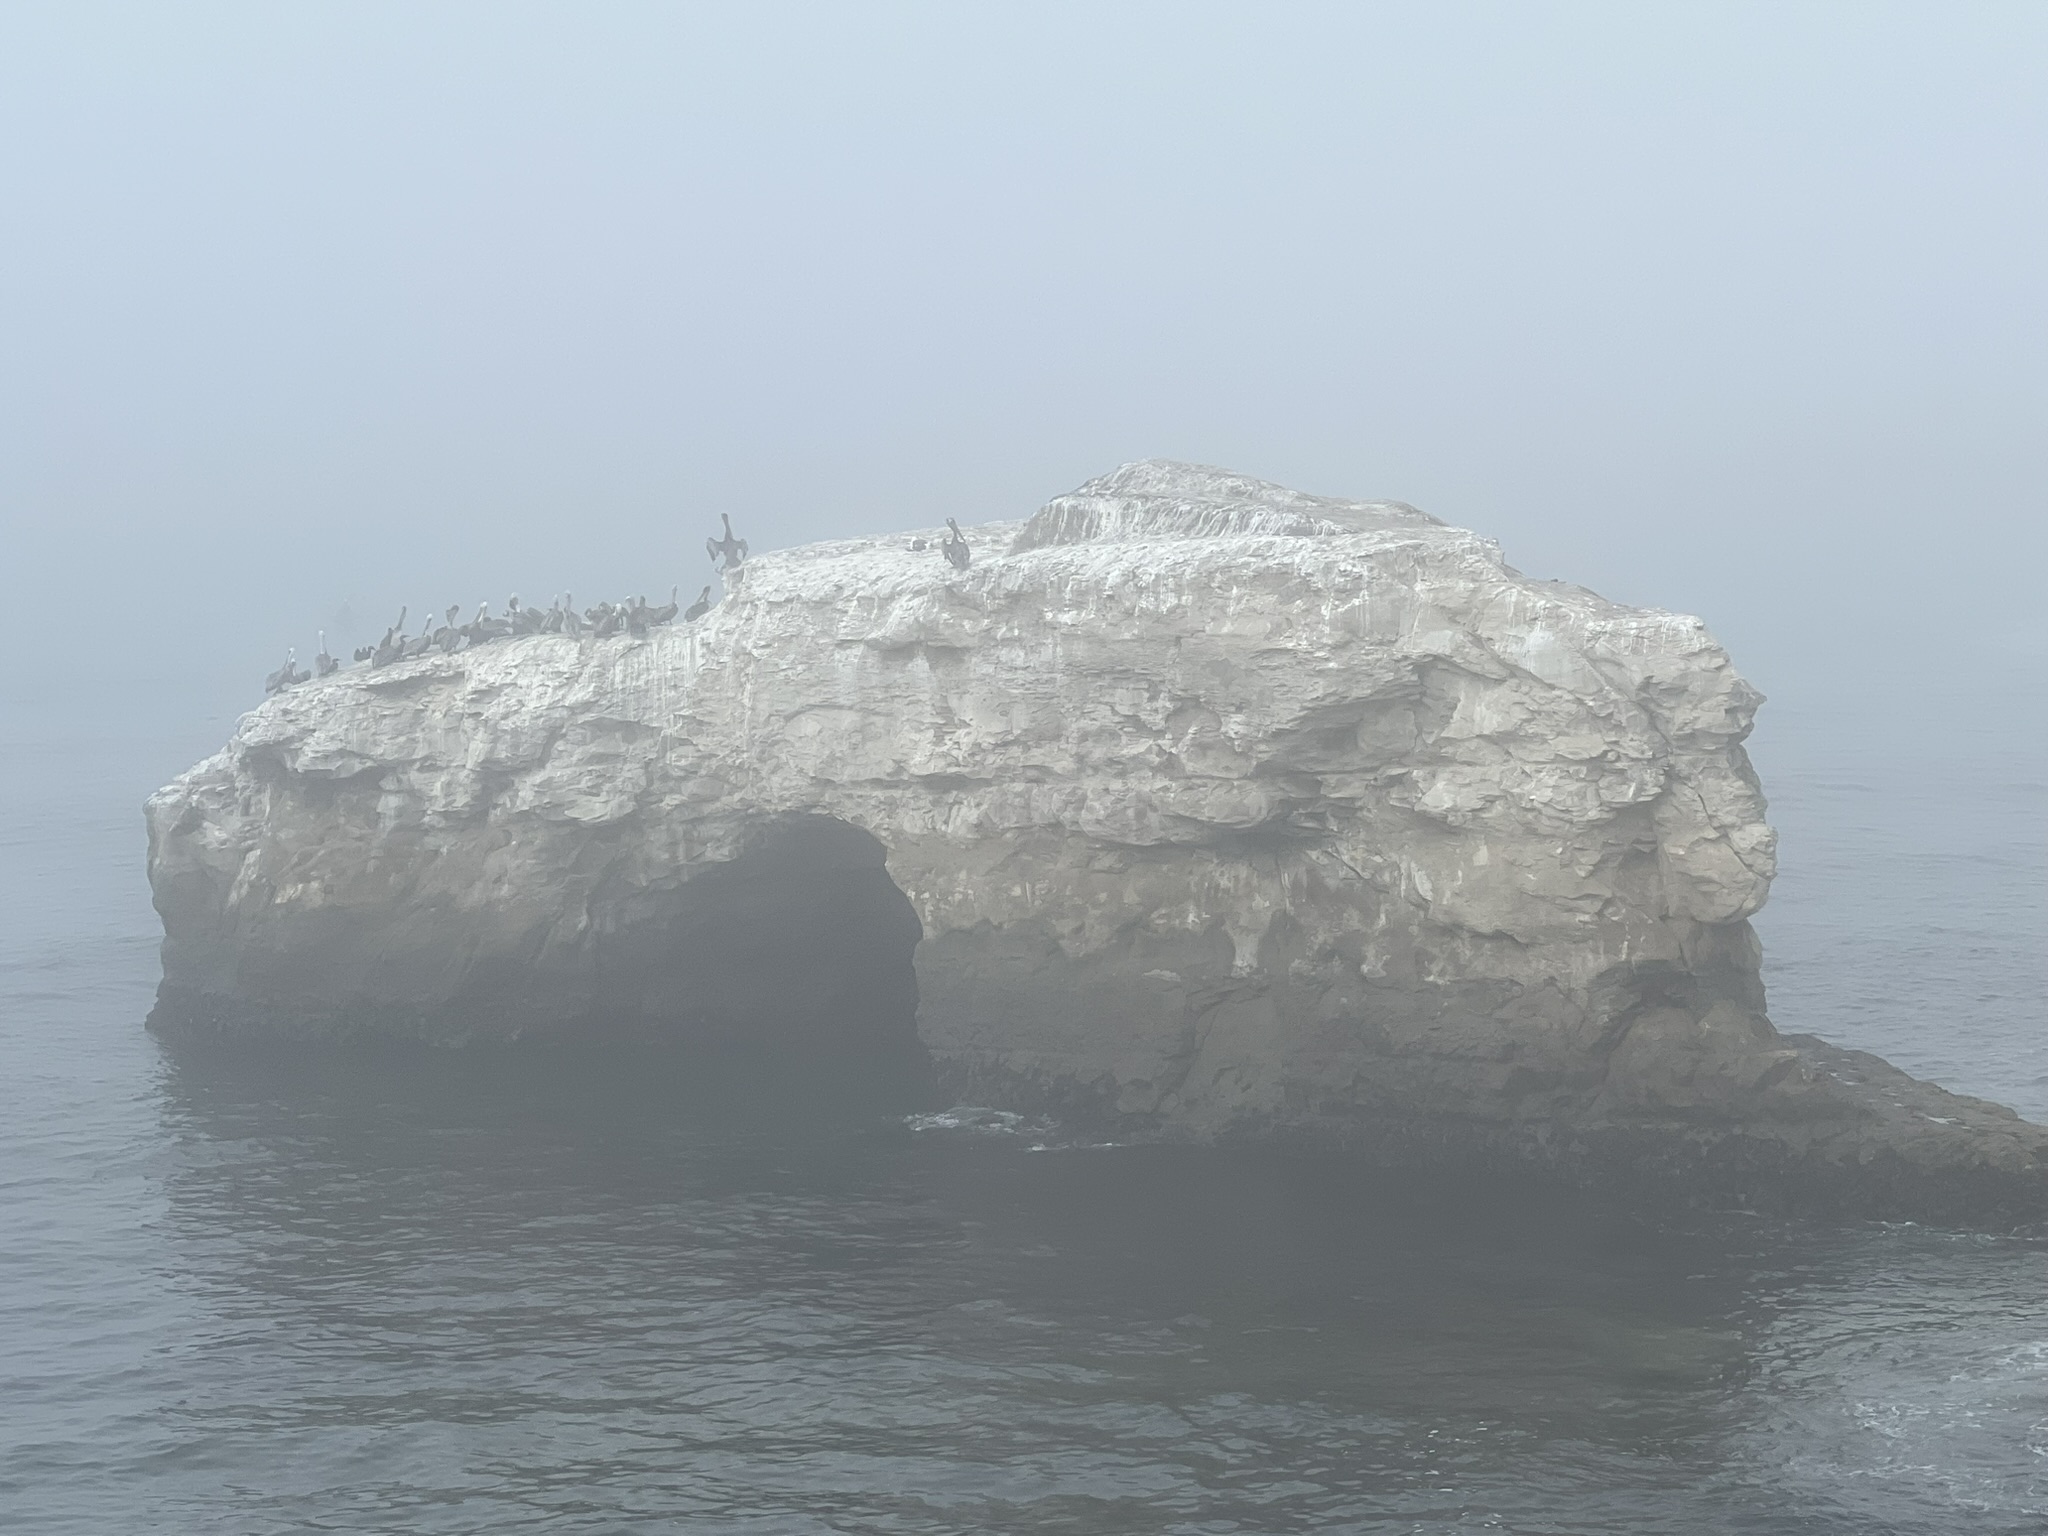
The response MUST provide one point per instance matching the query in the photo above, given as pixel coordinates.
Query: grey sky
(1734, 309)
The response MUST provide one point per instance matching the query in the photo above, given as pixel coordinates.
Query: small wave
(1037, 1133)
(979, 1120)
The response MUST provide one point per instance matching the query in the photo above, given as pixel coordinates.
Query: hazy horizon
(322, 311)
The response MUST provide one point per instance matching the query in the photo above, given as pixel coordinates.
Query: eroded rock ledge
(1196, 805)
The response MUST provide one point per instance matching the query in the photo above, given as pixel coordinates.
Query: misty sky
(316, 310)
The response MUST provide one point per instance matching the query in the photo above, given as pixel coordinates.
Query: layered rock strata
(1195, 805)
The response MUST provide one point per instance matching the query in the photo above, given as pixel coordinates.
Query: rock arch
(801, 942)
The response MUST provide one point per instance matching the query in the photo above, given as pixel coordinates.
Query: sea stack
(1194, 807)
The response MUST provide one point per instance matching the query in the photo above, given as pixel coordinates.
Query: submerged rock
(1194, 805)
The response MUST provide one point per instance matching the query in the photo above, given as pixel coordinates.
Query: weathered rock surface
(1195, 804)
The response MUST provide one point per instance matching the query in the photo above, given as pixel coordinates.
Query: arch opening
(802, 945)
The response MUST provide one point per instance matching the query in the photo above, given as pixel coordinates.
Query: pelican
(285, 675)
(484, 628)
(325, 665)
(420, 643)
(733, 550)
(392, 646)
(955, 547)
(699, 608)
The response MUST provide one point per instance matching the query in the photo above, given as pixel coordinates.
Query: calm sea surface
(496, 1294)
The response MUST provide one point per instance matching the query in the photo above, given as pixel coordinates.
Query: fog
(310, 312)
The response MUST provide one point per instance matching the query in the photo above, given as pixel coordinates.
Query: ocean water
(402, 1292)
(1910, 914)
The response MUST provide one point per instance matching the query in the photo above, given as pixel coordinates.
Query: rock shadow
(801, 944)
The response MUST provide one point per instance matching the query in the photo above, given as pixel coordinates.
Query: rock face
(1195, 804)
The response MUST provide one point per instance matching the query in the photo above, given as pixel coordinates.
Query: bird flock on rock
(634, 617)
(449, 634)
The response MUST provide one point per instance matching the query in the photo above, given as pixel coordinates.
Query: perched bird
(392, 646)
(285, 675)
(420, 643)
(956, 547)
(666, 612)
(325, 665)
(483, 628)
(699, 608)
(734, 551)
